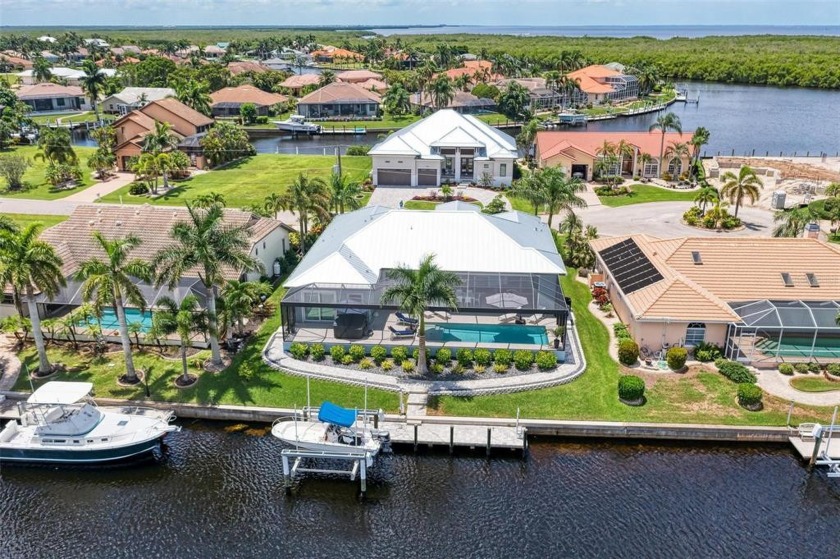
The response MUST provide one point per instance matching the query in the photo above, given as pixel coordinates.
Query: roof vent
(118, 223)
(91, 222)
(136, 211)
(695, 256)
(812, 279)
(98, 210)
(787, 279)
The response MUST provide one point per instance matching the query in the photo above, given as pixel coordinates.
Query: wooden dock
(805, 447)
(416, 433)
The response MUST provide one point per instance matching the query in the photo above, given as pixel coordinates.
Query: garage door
(427, 177)
(393, 177)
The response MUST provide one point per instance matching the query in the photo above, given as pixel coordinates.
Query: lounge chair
(407, 320)
(401, 333)
(509, 317)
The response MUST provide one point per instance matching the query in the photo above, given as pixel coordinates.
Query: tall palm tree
(93, 83)
(442, 92)
(196, 95)
(705, 196)
(307, 196)
(668, 121)
(56, 146)
(209, 200)
(345, 193)
(183, 320)
(161, 139)
(698, 140)
(560, 192)
(463, 82)
(112, 281)
(397, 100)
(416, 290)
(530, 189)
(205, 242)
(31, 266)
(745, 185)
(680, 151)
(643, 159)
(41, 70)
(240, 298)
(274, 203)
(792, 223)
(327, 77)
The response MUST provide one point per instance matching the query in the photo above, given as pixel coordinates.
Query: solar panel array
(629, 266)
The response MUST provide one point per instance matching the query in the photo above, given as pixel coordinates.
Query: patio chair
(401, 333)
(407, 320)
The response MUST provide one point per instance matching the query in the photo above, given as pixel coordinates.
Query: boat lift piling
(360, 463)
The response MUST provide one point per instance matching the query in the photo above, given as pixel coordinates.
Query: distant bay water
(655, 31)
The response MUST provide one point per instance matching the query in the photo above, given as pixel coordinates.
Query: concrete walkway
(9, 364)
(777, 384)
(391, 196)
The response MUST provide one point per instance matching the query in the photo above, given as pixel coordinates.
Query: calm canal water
(218, 493)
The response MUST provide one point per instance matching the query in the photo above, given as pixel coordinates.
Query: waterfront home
(357, 76)
(377, 86)
(73, 241)
(600, 84)
(340, 100)
(296, 83)
(72, 76)
(131, 98)
(763, 300)
(96, 42)
(50, 57)
(507, 263)
(229, 100)
(461, 102)
(187, 124)
(580, 152)
(214, 51)
(541, 97)
(445, 146)
(51, 97)
(334, 55)
(11, 61)
(242, 66)
(477, 70)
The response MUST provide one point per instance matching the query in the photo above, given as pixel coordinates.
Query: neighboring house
(78, 55)
(74, 243)
(477, 70)
(213, 51)
(340, 100)
(579, 152)
(13, 62)
(445, 146)
(131, 98)
(504, 261)
(296, 83)
(101, 43)
(47, 39)
(72, 76)
(50, 57)
(542, 98)
(599, 84)
(187, 124)
(126, 50)
(51, 97)
(762, 300)
(228, 101)
(357, 76)
(376, 86)
(462, 102)
(242, 66)
(330, 55)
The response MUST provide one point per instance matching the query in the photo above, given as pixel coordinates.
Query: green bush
(387, 365)
(138, 188)
(436, 368)
(408, 366)
(749, 395)
(500, 368)
(479, 369)
(503, 357)
(735, 372)
(801, 368)
(298, 350)
(443, 356)
(813, 367)
(482, 357)
(347, 360)
(621, 332)
(357, 352)
(457, 368)
(676, 357)
(631, 388)
(337, 353)
(317, 351)
(522, 359)
(464, 357)
(378, 353)
(365, 364)
(786, 368)
(357, 150)
(628, 352)
(546, 360)
(706, 352)
(833, 369)
(399, 353)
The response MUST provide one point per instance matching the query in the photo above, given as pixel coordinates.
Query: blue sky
(406, 12)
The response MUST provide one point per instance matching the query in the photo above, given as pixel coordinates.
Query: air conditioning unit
(778, 200)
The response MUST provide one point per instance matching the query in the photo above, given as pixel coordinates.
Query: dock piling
(451, 439)
(488, 440)
(415, 438)
(790, 412)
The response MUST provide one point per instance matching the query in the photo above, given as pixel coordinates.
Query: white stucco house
(445, 146)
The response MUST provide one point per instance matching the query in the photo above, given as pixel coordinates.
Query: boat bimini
(335, 431)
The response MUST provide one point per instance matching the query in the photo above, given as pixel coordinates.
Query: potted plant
(558, 331)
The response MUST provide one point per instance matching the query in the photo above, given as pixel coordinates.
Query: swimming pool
(793, 346)
(487, 333)
(109, 319)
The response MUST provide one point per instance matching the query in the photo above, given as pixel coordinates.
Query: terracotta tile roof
(334, 52)
(16, 60)
(356, 76)
(242, 66)
(177, 108)
(46, 90)
(246, 94)
(374, 85)
(551, 143)
(340, 92)
(294, 82)
(74, 242)
(594, 71)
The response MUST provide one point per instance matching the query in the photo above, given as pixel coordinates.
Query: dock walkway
(431, 435)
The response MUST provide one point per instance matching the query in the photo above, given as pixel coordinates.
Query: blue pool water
(488, 333)
(109, 319)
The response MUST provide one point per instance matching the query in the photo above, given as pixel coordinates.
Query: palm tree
(397, 100)
(644, 159)
(195, 95)
(56, 145)
(678, 150)
(240, 298)
(93, 83)
(183, 320)
(791, 223)
(463, 82)
(161, 139)
(416, 290)
(274, 203)
(111, 281)
(345, 193)
(209, 200)
(442, 91)
(327, 77)
(41, 70)
(698, 140)
(529, 188)
(705, 196)
(668, 121)
(745, 185)
(31, 267)
(560, 192)
(205, 242)
(307, 196)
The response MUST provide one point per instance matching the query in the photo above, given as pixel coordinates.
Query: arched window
(675, 166)
(695, 334)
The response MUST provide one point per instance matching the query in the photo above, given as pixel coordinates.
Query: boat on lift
(337, 430)
(297, 124)
(61, 424)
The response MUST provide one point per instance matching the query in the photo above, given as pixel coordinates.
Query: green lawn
(46, 220)
(37, 186)
(249, 181)
(520, 204)
(814, 384)
(644, 193)
(70, 118)
(706, 397)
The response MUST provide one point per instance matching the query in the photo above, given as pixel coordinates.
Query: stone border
(274, 356)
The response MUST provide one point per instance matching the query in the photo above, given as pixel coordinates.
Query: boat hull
(58, 455)
(309, 436)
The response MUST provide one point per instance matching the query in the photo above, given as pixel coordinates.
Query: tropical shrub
(138, 188)
(631, 388)
(833, 369)
(361, 150)
(365, 364)
(503, 357)
(676, 357)
(387, 365)
(436, 368)
(786, 368)
(378, 353)
(482, 357)
(813, 367)
(246, 372)
(317, 351)
(464, 357)
(749, 395)
(357, 352)
(444, 356)
(347, 360)
(736, 372)
(298, 350)
(801, 368)
(457, 368)
(337, 353)
(408, 366)
(399, 353)
(706, 352)
(500, 368)
(546, 360)
(621, 332)
(523, 359)
(479, 369)
(628, 352)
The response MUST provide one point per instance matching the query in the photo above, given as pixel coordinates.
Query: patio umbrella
(506, 300)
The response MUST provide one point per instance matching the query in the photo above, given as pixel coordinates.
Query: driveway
(65, 206)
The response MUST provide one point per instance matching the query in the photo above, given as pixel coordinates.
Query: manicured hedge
(628, 352)
(546, 360)
(337, 353)
(399, 353)
(443, 356)
(317, 351)
(482, 357)
(503, 357)
(735, 372)
(378, 353)
(786, 368)
(631, 388)
(298, 350)
(523, 359)
(676, 358)
(749, 395)
(833, 369)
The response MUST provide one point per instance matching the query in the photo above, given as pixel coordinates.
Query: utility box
(778, 201)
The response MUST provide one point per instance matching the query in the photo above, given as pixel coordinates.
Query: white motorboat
(335, 431)
(297, 124)
(60, 424)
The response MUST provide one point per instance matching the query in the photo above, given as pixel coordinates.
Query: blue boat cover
(330, 413)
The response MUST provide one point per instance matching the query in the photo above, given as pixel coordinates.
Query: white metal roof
(447, 128)
(68, 73)
(357, 246)
(131, 95)
(60, 392)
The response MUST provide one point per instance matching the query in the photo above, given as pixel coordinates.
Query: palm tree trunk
(43, 362)
(130, 373)
(302, 237)
(165, 181)
(216, 358)
(737, 205)
(186, 377)
(240, 325)
(662, 154)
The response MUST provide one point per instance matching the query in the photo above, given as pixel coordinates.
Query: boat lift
(360, 463)
(814, 442)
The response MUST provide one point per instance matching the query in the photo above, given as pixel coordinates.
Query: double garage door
(402, 177)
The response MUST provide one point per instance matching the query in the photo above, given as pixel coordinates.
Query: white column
(414, 173)
(458, 165)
